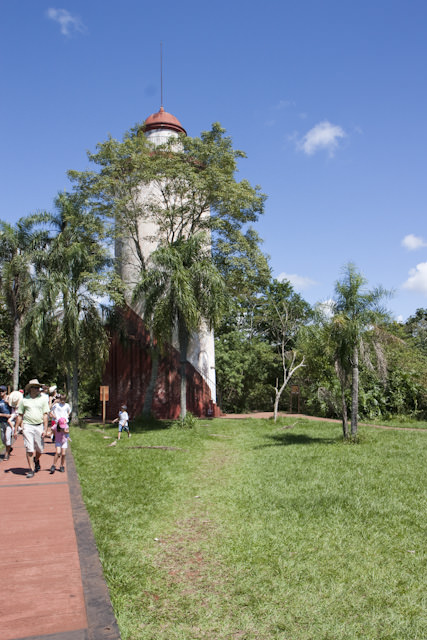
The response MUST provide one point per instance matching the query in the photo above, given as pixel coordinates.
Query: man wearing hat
(33, 412)
(6, 429)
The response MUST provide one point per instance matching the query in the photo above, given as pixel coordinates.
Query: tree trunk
(15, 349)
(344, 411)
(68, 383)
(75, 389)
(183, 347)
(355, 392)
(286, 377)
(344, 415)
(276, 403)
(149, 394)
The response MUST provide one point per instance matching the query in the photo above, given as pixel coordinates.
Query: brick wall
(128, 374)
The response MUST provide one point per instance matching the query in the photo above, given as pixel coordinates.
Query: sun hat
(52, 389)
(15, 398)
(3, 388)
(33, 383)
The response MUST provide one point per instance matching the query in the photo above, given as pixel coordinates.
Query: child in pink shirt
(61, 431)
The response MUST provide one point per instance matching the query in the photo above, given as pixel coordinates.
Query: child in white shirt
(123, 421)
(60, 409)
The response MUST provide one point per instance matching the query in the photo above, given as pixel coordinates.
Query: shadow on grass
(289, 439)
(139, 425)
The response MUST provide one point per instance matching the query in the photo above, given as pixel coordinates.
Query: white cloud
(412, 243)
(67, 22)
(298, 282)
(417, 280)
(323, 136)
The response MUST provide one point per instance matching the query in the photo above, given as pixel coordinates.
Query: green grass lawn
(243, 529)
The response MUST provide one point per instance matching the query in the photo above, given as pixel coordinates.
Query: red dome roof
(163, 120)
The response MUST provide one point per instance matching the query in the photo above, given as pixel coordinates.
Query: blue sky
(328, 98)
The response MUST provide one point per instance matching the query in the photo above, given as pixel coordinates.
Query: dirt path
(186, 553)
(269, 414)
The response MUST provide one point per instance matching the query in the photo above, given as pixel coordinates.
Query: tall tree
(6, 360)
(245, 367)
(181, 289)
(19, 249)
(321, 390)
(243, 359)
(281, 313)
(74, 280)
(336, 331)
(185, 187)
(191, 187)
(355, 310)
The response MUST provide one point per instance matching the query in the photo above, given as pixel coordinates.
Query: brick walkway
(52, 582)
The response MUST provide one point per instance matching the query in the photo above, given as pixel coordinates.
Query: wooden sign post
(104, 396)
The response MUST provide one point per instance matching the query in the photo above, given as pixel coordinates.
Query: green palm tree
(73, 281)
(180, 290)
(20, 247)
(335, 333)
(355, 310)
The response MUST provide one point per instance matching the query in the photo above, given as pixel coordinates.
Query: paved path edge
(102, 624)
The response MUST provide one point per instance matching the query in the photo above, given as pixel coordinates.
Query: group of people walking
(37, 413)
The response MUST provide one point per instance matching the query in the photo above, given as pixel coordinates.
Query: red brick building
(129, 370)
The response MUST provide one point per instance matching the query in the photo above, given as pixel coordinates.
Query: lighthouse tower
(159, 128)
